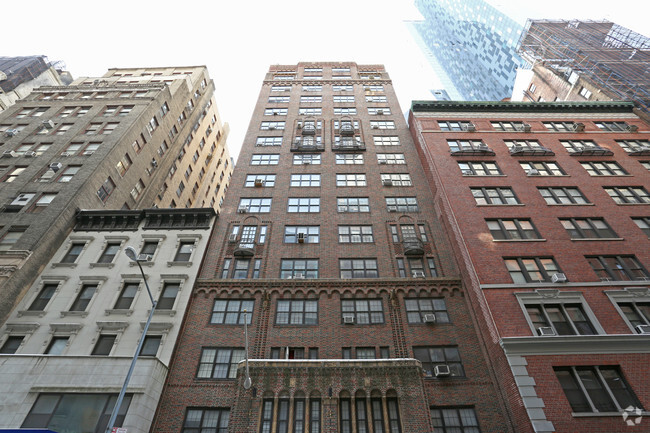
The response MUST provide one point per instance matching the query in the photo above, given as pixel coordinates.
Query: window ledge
(570, 204)
(598, 239)
(604, 414)
(170, 313)
(125, 312)
(74, 313)
(102, 265)
(491, 205)
(611, 175)
(64, 265)
(188, 264)
(148, 263)
(631, 204)
(485, 175)
(39, 313)
(576, 344)
(518, 240)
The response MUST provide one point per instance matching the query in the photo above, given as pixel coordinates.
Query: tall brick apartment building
(358, 321)
(549, 207)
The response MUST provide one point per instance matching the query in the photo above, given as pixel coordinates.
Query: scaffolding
(612, 57)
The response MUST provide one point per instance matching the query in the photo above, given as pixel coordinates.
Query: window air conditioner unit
(48, 124)
(579, 127)
(643, 329)
(11, 132)
(348, 319)
(482, 146)
(29, 154)
(259, 183)
(387, 182)
(526, 127)
(418, 274)
(275, 113)
(441, 370)
(468, 172)
(299, 125)
(144, 258)
(232, 237)
(22, 199)
(632, 128)
(271, 128)
(88, 152)
(9, 154)
(56, 166)
(299, 276)
(545, 331)
(558, 278)
(533, 172)
(429, 318)
(242, 209)
(66, 154)
(516, 148)
(375, 127)
(301, 238)
(383, 161)
(306, 162)
(469, 127)
(208, 157)
(392, 208)
(379, 112)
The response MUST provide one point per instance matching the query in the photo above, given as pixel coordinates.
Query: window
(83, 298)
(106, 189)
(303, 205)
(531, 269)
(402, 204)
(125, 299)
(300, 180)
(43, 201)
(562, 195)
(62, 412)
(644, 224)
(527, 147)
(390, 158)
(454, 419)
(137, 189)
(635, 147)
(267, 416)
(150, 345)
(255, 205)
(560, 126)
(310, 111)
(416, 266)
(299, 268)
(168, 296)
(10, 239)
(542, 168)
(231, 312)
(382, 124)
(618, 268)
(306, 158)
(73, 253)
(43, 298)
(373, 111)
(586, 93)
(418, 308)
(350, 180)
(604, 168)
(311, 99)
(596, 388)
(636, 313)
(353, 204)
(90, 149)
(386, 140)
(375, 98)
(454, 125)
(584, 147)
(104, 345)
(509, 126)
(301, 234)
(396, 179)
(349, 158)
(219, 363)
(68, 173)
(494, 196)
(12, 175)
(512, 229)
(109, 253)
(613, 126)
(260, 180)
(355, 234)
(297, 312)
(358, 268)
(587, 228)
(268, 141)
(364, 311)
(11, 345)
(563, 319)
(344, 111)
(278, 99)
(628, 194)
(265, 159)
(433, 356)
(57, 345)
(206, 421)
(184, 251)
(470, 168)
(458, 146)
(280, 88)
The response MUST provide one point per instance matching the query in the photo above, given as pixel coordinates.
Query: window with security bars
(496, 195)
(542, 168)
(531, 269)
(304, 205)
(219, 363)
(587, 228)
(391, 158)
(304, 180)
(353, 204)
(512, 229)
(418, 308)
(479, 168)
(433, 356)
(396, 179)
(355, 234)
(297, 312)
(628, 194)
(206, 420)
(231, 311)
(562, 195)
(363, 311)
(448, 419)
(596, 389)
(299, 268)
(618, 268)
(402, 204)
(301, 234)
(603, 168)
(561, 318)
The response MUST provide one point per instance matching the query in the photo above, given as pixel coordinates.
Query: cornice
(576, 345)
(522, 107)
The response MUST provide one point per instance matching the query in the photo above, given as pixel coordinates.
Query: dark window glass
(104, 345)
(84, 297)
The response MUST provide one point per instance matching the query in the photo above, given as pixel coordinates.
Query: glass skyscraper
(472, 45)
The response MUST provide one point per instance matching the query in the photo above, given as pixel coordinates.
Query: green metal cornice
(523, 107)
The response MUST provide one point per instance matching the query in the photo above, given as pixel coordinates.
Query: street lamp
(131, 254)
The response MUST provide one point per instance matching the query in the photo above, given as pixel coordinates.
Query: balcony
(530, 151)
(348, 146)
(306, 146)
(245, 248)
(347, 129)
(413, 247)
(308, 129)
